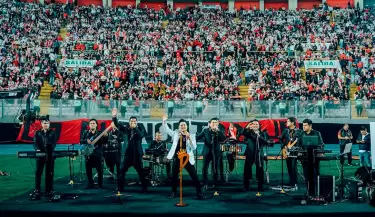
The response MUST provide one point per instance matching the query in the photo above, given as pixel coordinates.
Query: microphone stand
(71, 169)
(282, 191)
(214, 162)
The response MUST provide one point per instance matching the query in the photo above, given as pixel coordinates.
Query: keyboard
(34, 154)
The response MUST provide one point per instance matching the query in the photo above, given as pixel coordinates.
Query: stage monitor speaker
(327, 187)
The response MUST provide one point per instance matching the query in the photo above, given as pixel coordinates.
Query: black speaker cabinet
(327, 188)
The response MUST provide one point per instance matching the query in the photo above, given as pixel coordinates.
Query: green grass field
(22, 173)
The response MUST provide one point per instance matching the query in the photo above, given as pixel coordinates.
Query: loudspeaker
(327, 187)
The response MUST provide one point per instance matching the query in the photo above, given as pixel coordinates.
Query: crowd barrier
(237, 110)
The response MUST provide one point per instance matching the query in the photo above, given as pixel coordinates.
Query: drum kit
(157, 160)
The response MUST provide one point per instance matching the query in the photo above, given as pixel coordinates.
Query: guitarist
(95, 160)
(289, 139)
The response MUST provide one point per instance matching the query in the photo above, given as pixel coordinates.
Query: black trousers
(113, 160)
(291, 164)
(311, 186)
(221, 168)
(50, 168)
(207, 159)
(190, 169)
(342, 159)
(248, 171)
(95, 161)
(126, 163)
(112, 169)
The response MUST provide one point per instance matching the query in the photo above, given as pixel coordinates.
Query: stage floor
(231, 200)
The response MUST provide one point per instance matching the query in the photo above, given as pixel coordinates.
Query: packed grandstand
(189, 54)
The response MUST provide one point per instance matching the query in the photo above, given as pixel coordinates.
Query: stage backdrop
(69, 132)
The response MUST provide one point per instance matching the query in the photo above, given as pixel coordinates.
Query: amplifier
(327, 187)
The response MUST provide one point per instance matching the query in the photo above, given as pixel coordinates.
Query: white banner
(79, 63)
(372, 136)
(322, 64)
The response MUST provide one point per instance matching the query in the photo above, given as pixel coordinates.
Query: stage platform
(231, 201)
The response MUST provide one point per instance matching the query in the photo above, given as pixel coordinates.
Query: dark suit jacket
(367, 145)
(207, 136)
(250, 139)
(135, 139)
(45, 145)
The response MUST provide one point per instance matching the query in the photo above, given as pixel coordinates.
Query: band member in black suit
(211, 150)
(112, 151)
(44, 141)
(160, 148)
(289, 137)
(308, 131)
(132, 151)
(95, 160)
(182, 140)
(255, 140)
(212, 137)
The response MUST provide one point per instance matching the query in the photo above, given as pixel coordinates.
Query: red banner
(69, 132)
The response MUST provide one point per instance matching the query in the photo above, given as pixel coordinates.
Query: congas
(224, 147)
(239, 148)
(233, 148)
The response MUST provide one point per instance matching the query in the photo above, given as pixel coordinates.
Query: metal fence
(235, 110)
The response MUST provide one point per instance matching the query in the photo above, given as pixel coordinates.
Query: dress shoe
(52, 196)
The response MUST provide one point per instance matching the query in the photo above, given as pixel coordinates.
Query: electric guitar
(286, 149)
(88, 149)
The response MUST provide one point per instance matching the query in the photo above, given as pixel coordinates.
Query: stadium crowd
(198, 54)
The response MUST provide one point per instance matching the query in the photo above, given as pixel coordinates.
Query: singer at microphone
(255, 140)
(212, 137)
(182, 140)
